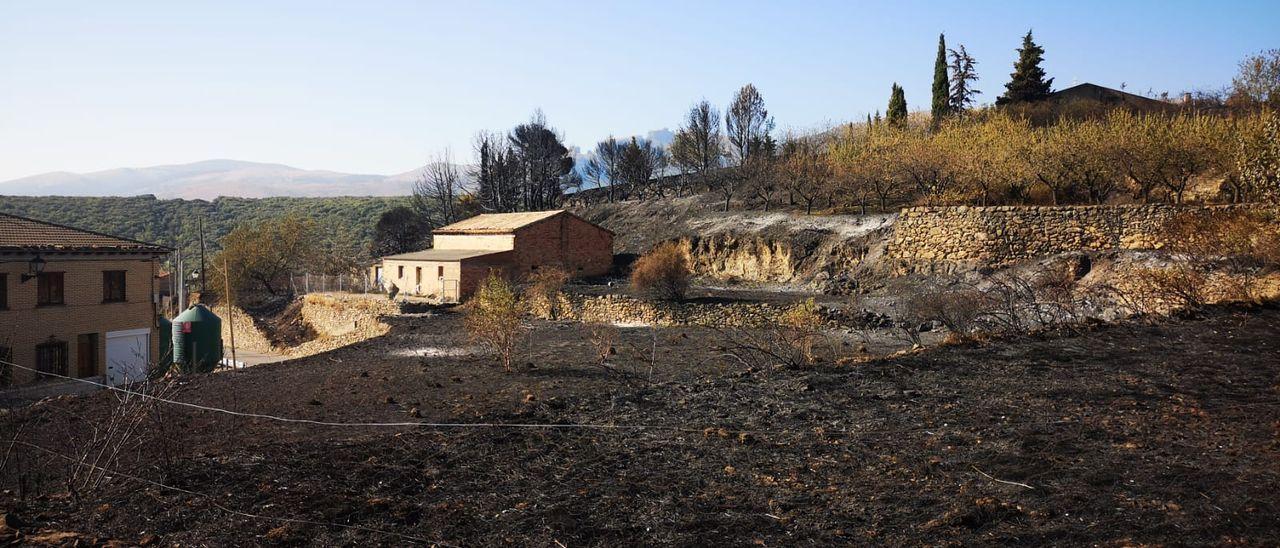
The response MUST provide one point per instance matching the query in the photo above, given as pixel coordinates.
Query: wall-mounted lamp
(34, 268)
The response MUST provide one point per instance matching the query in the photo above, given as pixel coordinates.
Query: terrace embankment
(307, 325)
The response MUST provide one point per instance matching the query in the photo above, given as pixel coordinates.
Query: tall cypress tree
(1027, 83)
(941, 93)
(897, 113)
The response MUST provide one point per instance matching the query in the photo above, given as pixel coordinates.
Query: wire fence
(305, 283)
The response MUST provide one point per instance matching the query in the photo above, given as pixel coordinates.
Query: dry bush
(493, 318)
(788, 339)
(1243, 245)
(544, 290)
(94, 447)
(957, 306)
(1176, 287)
(663, 272)
(802, 327)
(604, 341)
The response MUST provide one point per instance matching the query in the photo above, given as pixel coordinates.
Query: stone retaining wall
(1000, 235)
(627, 310)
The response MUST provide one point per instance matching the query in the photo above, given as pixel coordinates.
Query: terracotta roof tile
(497, 223)
(23, 234)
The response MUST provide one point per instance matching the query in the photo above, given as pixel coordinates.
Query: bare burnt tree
(640, 162)
(748, 123)
(697, 149)
(437, 191)
(602, 168)
(496, 173)
(544, 163)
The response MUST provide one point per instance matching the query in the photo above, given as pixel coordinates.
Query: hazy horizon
(381, 88)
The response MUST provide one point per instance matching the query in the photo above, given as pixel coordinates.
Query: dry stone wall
(1004, 234)
(627, 310)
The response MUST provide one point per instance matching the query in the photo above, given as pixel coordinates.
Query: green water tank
(197, 340)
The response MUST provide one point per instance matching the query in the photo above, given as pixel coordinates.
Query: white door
(128, 355)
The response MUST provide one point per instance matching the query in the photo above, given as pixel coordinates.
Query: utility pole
(231, 318)
(201, 221)
(181, 279)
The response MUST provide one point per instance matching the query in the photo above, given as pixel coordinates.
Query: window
(400, 272)
(51, 358)
(4, 292)
(440, 271)
(49, 288)
(113, 286)
(417, 275)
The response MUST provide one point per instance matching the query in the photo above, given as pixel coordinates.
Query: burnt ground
(1160, 434)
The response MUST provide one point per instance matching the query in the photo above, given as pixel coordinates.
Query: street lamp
(35, 268)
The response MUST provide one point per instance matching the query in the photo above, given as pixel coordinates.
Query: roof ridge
(84, 230)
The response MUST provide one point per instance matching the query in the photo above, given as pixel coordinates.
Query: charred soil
(1130, 434)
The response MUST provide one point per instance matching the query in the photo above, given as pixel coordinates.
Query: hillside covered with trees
(347, 223)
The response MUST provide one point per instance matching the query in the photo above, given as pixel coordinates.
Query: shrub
(958, 307)
(544, 289)
(663, 272)
(493, 318)
(787, 339)
(1176, 287)
(801, 326)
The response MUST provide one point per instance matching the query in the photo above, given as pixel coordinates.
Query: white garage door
(128, 355)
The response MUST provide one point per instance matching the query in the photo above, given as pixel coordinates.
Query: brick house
(515, 244)
(75, 302)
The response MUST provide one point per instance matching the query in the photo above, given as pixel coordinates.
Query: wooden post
(231, 322)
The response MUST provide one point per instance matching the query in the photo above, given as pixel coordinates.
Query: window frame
(124, 295)
(44, 294)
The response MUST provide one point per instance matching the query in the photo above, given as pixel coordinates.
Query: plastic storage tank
(197, 340)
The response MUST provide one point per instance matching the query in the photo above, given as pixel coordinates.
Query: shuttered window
(113, 286)
(49, 288)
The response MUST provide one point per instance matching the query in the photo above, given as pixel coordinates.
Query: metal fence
(342, 283)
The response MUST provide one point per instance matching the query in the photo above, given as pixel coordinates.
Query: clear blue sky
(378, 87)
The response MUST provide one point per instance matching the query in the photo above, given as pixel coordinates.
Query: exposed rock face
(925, 237)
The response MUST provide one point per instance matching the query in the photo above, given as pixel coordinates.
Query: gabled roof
(445, 255)
(504, 223)
(1105, 95)
(30, 235)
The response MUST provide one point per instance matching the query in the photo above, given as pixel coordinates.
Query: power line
(219, 506)
(526, 426)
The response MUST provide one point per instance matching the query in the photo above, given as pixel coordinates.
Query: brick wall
(24, 324)
(564, 240)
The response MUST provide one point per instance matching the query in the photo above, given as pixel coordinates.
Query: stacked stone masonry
(1005, 234)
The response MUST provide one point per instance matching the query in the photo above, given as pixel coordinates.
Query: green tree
(399, 230)
(941, 95)
(897, 112)
(962, 77)
(266, 253)
(1027, 82)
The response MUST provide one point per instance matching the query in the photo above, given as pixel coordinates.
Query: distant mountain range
(213, 178)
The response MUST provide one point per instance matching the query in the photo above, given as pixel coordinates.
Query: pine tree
(1027, 82)
(962, 76)
(941, 95)
(897, 111)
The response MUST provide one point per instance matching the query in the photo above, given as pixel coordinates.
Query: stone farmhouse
(513, 244)
(75, 303)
